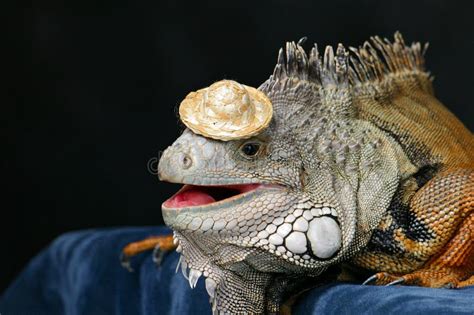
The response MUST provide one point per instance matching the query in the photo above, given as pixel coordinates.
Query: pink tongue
(189, 198)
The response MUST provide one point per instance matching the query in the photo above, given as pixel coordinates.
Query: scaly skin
(359, 148)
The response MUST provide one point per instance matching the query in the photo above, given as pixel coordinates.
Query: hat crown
(225, 100)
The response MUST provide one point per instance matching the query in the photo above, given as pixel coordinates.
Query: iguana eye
(250, 148)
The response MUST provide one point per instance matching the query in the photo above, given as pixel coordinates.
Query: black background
(93, 91)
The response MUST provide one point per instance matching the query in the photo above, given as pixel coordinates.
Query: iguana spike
(341, 63)
(356, 75)
(302, 41)
(370, 62)
(314, 67)
(416, 48)
(381, 46)
(353, 77)
(280, 69)
(376, 63)
(291, 64)
(281, 58)
(419, 53)
(328, 61)
(406, 59)
(367, 60)
(425, 48)
(328, 76)
(278, 72)
(399, 38)
(394, 49)
(302, 61)
(359, 65)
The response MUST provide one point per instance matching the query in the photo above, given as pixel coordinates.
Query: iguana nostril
(186, 161)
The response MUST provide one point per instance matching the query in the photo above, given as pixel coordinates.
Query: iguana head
(301, 195)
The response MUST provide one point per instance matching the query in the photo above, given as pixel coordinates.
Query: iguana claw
(397, 281)
(383, 275)
(159, 244)
(125, 262)
(434, 277)
(158, 255)
(370, 279)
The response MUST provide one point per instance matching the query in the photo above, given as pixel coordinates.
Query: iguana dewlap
(360, 165)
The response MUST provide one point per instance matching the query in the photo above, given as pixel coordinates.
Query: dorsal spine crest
(372, 62)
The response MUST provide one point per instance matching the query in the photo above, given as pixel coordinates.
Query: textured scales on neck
(323, 175)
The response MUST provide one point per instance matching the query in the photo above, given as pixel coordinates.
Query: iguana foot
(433, 278)
(159, 244)
(467, 282)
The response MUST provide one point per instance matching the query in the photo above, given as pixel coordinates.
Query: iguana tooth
(324, 235)
(179, 249)
(211, 287)
(194, 276)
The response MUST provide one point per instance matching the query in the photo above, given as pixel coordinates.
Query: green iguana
(360, 166)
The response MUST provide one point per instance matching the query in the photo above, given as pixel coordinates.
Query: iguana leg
(159, 244)
(454, 267)
(446, 206)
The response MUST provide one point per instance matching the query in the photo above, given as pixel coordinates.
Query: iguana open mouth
(194, 195)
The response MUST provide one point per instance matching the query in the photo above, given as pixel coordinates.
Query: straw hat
(226, 110)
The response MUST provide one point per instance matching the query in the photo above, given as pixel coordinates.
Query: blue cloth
(79, 273)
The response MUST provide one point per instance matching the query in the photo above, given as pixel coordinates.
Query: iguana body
(360, 166)
(428, 230)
